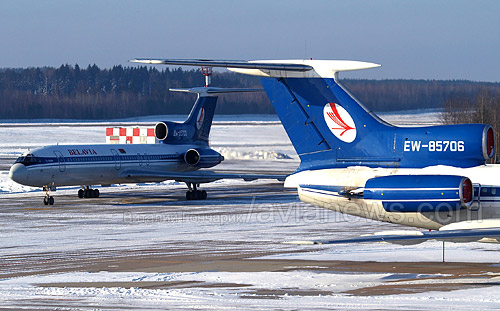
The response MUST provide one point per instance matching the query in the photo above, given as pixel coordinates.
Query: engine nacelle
(420, 193)
(173, 132)
(161, 131)
(202, 158)
(462, 145)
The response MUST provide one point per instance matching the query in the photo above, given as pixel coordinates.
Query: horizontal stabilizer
(213, 91)
(291, 68)
(224, 64)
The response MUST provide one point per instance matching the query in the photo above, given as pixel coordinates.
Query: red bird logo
(335, 116)
(199, 119)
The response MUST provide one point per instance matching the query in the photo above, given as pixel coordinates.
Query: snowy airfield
(146, 247)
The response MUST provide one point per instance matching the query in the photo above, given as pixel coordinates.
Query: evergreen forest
(71, 92)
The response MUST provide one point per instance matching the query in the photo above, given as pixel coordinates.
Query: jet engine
(173, 132)
(463, 145)
(161, 130)
(202, 158)
(420, 193)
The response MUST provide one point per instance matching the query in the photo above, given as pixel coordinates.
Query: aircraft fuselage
(341, 190)
(74, 165)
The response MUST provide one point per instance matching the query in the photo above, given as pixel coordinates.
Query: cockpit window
(28, 159)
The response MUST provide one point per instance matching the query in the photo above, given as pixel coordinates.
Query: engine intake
(202, 158)
(420, 193)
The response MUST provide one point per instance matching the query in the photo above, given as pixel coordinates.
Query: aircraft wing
(201, 176)
(415, 237)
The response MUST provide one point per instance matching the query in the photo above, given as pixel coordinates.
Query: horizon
(445, 40)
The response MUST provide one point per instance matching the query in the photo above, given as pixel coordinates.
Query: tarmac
(241, 227)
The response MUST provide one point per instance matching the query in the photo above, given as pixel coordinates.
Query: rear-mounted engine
(488, 143)
(420, 193)
(161, 131)
(202, 158)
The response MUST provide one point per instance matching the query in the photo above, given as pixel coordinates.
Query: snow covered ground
(145, 247)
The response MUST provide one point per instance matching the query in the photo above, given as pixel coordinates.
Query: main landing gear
(87, 192)
(193, 193)
(48, 199)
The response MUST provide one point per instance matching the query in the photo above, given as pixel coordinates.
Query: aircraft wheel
(197, 195)
(45, 201)
(51, 200)
(96, 193)
(80, 193)
(89, 193)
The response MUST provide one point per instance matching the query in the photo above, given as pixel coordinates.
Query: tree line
(482, 108)
(71, 92)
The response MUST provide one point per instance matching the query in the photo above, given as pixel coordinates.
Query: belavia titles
(183, 154)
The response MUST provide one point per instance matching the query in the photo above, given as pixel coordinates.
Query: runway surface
(144, 246)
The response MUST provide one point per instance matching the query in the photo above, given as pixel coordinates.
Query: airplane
(181, 155)
(353, 162)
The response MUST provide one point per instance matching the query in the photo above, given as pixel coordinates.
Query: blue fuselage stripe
(43, 161)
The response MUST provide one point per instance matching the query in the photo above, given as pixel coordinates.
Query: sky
(425, 39)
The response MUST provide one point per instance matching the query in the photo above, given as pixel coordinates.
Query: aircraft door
(60, 159)
(118, 164)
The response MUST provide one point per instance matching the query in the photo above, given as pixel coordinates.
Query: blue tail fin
(328, 127)
(196, 128)
(201, 116)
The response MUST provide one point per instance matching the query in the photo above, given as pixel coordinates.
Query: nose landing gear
(48, 199)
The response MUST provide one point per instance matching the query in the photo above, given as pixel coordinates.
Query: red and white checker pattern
(130, 135)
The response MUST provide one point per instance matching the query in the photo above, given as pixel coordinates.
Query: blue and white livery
(353, 162)
(183, 150)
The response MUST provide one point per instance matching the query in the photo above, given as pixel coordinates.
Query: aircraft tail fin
(327, 126)
(201, 116)
(199, 120)
(324, 121)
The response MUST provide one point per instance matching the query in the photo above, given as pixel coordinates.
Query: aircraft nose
(18, 173)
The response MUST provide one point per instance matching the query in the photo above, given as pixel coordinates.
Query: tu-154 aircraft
(183, 150)
(433, 177)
